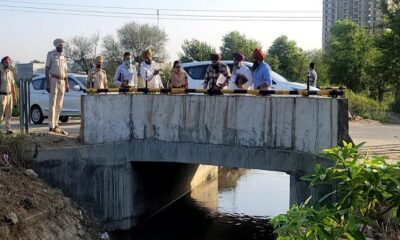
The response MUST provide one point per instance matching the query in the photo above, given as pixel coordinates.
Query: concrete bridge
(140, 147)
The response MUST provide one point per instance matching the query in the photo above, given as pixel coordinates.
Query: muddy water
(236, 206)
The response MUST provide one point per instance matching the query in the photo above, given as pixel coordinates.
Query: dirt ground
(41, 211)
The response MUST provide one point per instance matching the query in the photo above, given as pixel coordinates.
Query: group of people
(218, 76)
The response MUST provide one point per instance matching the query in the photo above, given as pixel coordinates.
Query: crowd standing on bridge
(218, 76)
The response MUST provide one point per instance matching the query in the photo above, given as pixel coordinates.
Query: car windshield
(278, 77)
(82, 79)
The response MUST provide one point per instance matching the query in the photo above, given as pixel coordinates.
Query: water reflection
(235, 206)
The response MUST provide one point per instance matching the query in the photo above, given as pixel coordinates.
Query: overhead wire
(152, 14)
(161, 18)
(162, 9)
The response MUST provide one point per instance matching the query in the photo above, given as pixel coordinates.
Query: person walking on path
(56, 84)
(312, 75)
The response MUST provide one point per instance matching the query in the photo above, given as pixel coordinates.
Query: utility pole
(158, 18)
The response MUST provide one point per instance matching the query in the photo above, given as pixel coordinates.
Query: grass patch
(15, 146)
(366, 107)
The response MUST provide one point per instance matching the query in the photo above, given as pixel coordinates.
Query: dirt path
(380, 139)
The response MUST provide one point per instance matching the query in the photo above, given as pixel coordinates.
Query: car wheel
(37, 115)
(64, 119)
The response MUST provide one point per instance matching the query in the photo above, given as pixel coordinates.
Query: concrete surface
(296, 123)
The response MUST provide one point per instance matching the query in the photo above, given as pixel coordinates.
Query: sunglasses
(177, 66)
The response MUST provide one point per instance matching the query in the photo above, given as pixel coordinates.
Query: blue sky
(27, 36)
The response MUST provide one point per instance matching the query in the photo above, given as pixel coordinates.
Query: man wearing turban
(261, 71)
(242, 77)
(56, 84)
(217, 74)
(8, 95)
(98, 78)
(150, 71)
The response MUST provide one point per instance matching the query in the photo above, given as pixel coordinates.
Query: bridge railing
(330, 92)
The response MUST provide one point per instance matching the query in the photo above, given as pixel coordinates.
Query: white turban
(57, 42)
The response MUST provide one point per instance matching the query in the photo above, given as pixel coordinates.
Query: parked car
(197, 71)
(39, 99)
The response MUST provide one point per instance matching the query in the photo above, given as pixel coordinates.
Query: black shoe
(9, 132)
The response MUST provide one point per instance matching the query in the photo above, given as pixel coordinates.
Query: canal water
(236, 206)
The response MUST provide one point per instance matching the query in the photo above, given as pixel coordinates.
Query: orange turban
(258, 54)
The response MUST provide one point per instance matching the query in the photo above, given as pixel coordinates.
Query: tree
(236, 42)
(195, 50)
(348, 55)
(389, 45)
(292, 61)
(82, 51)
(112, 52)
(137, 38)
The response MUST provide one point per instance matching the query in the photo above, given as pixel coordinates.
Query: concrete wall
(295, 123)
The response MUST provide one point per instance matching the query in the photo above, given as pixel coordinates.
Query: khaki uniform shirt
(97, 79)
(57, 63)
(6, 81)
(178, 80)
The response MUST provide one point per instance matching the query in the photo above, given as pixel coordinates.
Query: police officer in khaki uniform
(8, 94)
(56, 84)
(98, 78)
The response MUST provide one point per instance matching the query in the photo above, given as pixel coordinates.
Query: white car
(39, 98)
(197, 71)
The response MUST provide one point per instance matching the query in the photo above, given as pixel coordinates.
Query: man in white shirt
(242, 77)
(149, 70)
(312, 75)
(125, 76)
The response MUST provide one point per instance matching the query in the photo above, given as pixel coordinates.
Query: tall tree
(195, 50)
(236, 42)
(137, 38)
(112, 52)
(348, 55)
(293, 62)
(389, 44)
(82, 50)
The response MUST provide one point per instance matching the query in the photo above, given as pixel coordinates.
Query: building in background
(28, 70)
(367, 13)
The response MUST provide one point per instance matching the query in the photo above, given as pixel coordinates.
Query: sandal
(60, 131)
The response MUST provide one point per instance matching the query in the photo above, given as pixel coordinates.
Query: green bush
(366, 107)
(366, 191)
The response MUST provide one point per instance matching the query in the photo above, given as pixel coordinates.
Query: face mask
(128, 62)
(59, 49)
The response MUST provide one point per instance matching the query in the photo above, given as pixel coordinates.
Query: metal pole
(21, 107)
(158, 18)
(26, 106)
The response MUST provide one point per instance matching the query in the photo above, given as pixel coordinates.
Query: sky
(26, 35)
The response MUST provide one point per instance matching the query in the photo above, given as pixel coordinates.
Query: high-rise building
(367, 13)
